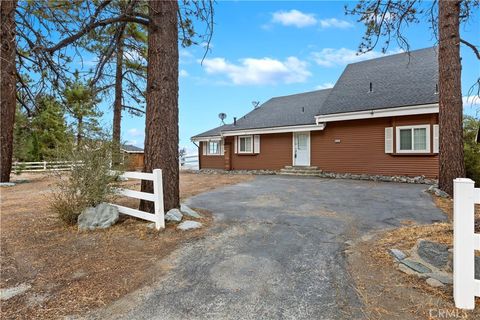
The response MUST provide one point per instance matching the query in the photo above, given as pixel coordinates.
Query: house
(380, 118)
(132, 157)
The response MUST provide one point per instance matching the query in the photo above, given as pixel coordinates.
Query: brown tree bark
(452, 163)
(117, 106)
(8, 83)
(79, 131)
(161, 119)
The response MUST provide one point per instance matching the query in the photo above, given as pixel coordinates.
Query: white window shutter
(235, 144)
(221, 147)
(436, 138)
(389, 140)
(256, 143)
(204, 147)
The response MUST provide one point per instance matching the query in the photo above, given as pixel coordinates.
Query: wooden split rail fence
(39, 166)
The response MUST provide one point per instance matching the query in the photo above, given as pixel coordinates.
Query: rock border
(330, 175)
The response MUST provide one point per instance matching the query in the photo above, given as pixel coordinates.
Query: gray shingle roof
(292, 110)
(131, 148)
(397, 80)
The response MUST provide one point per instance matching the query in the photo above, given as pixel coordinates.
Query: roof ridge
(300, 93)
(391, 55)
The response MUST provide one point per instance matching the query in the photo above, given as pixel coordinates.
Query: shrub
(89, 183)
(472, 149)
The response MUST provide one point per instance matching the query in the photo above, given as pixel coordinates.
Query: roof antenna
(255, 104)
(222, 116)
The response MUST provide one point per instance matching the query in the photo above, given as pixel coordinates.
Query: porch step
(300, 168)
(300, 171)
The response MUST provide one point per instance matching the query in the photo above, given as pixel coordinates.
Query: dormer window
(371, 87)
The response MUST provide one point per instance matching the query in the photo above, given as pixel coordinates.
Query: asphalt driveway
(276, 250)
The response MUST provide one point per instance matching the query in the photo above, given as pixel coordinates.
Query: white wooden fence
(39, 166)
(465, 242)
(189, 161)
(156, 197)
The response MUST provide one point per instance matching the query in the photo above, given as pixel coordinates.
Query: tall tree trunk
(161, 119)
(8, 83)
(117, 106)
(79, 131)
(452, 163)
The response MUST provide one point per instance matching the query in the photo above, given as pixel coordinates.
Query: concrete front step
(300, 168)
(300, 171)
(310, 174)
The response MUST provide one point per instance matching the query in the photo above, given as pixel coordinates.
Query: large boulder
(433, 253)
(173, 215)
(189, 225)
(186, 210)
(100, 217)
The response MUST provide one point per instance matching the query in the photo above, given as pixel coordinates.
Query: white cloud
(335, 23)
(183, 73)
(294, 18)
(185, 56)
(300, 19)
(251, 71)
(330, 57)
(325, 85)
(134, 132)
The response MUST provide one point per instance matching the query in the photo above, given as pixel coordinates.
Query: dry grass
(70, 271)
(391, 294)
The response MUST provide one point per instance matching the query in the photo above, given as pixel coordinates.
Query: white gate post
(158, 192)
(463, 243)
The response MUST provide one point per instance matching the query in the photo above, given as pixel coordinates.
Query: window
(214, 147)
(246, 144)
(413, 139)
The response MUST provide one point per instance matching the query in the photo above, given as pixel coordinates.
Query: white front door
(301, 148)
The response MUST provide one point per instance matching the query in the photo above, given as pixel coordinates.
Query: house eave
(310, 127)
(206, 138)
(379, 113)
(269, 130)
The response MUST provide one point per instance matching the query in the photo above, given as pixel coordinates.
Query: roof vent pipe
(234, 121)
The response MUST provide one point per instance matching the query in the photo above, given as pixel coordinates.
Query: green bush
(89, 183)
(471, 149)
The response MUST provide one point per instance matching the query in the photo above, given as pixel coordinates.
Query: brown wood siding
(362, 148)
(275, 153)
(210, 162)
(133, 161)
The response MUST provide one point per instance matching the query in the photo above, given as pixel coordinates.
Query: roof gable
(397, 80)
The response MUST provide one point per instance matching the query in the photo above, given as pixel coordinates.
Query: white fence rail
(189, 161)
(156, 197)
(43, 166)
(465, 242)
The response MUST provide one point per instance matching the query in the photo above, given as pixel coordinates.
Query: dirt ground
(391, 294)
(72, 272)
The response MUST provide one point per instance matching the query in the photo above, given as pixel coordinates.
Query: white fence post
(158, 192)
(463, 243)
(45, 165)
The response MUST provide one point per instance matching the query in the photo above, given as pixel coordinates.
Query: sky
(261, 50)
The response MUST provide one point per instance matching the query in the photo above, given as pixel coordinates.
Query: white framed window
(245, 144)
(212, 147)
(413, 139)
